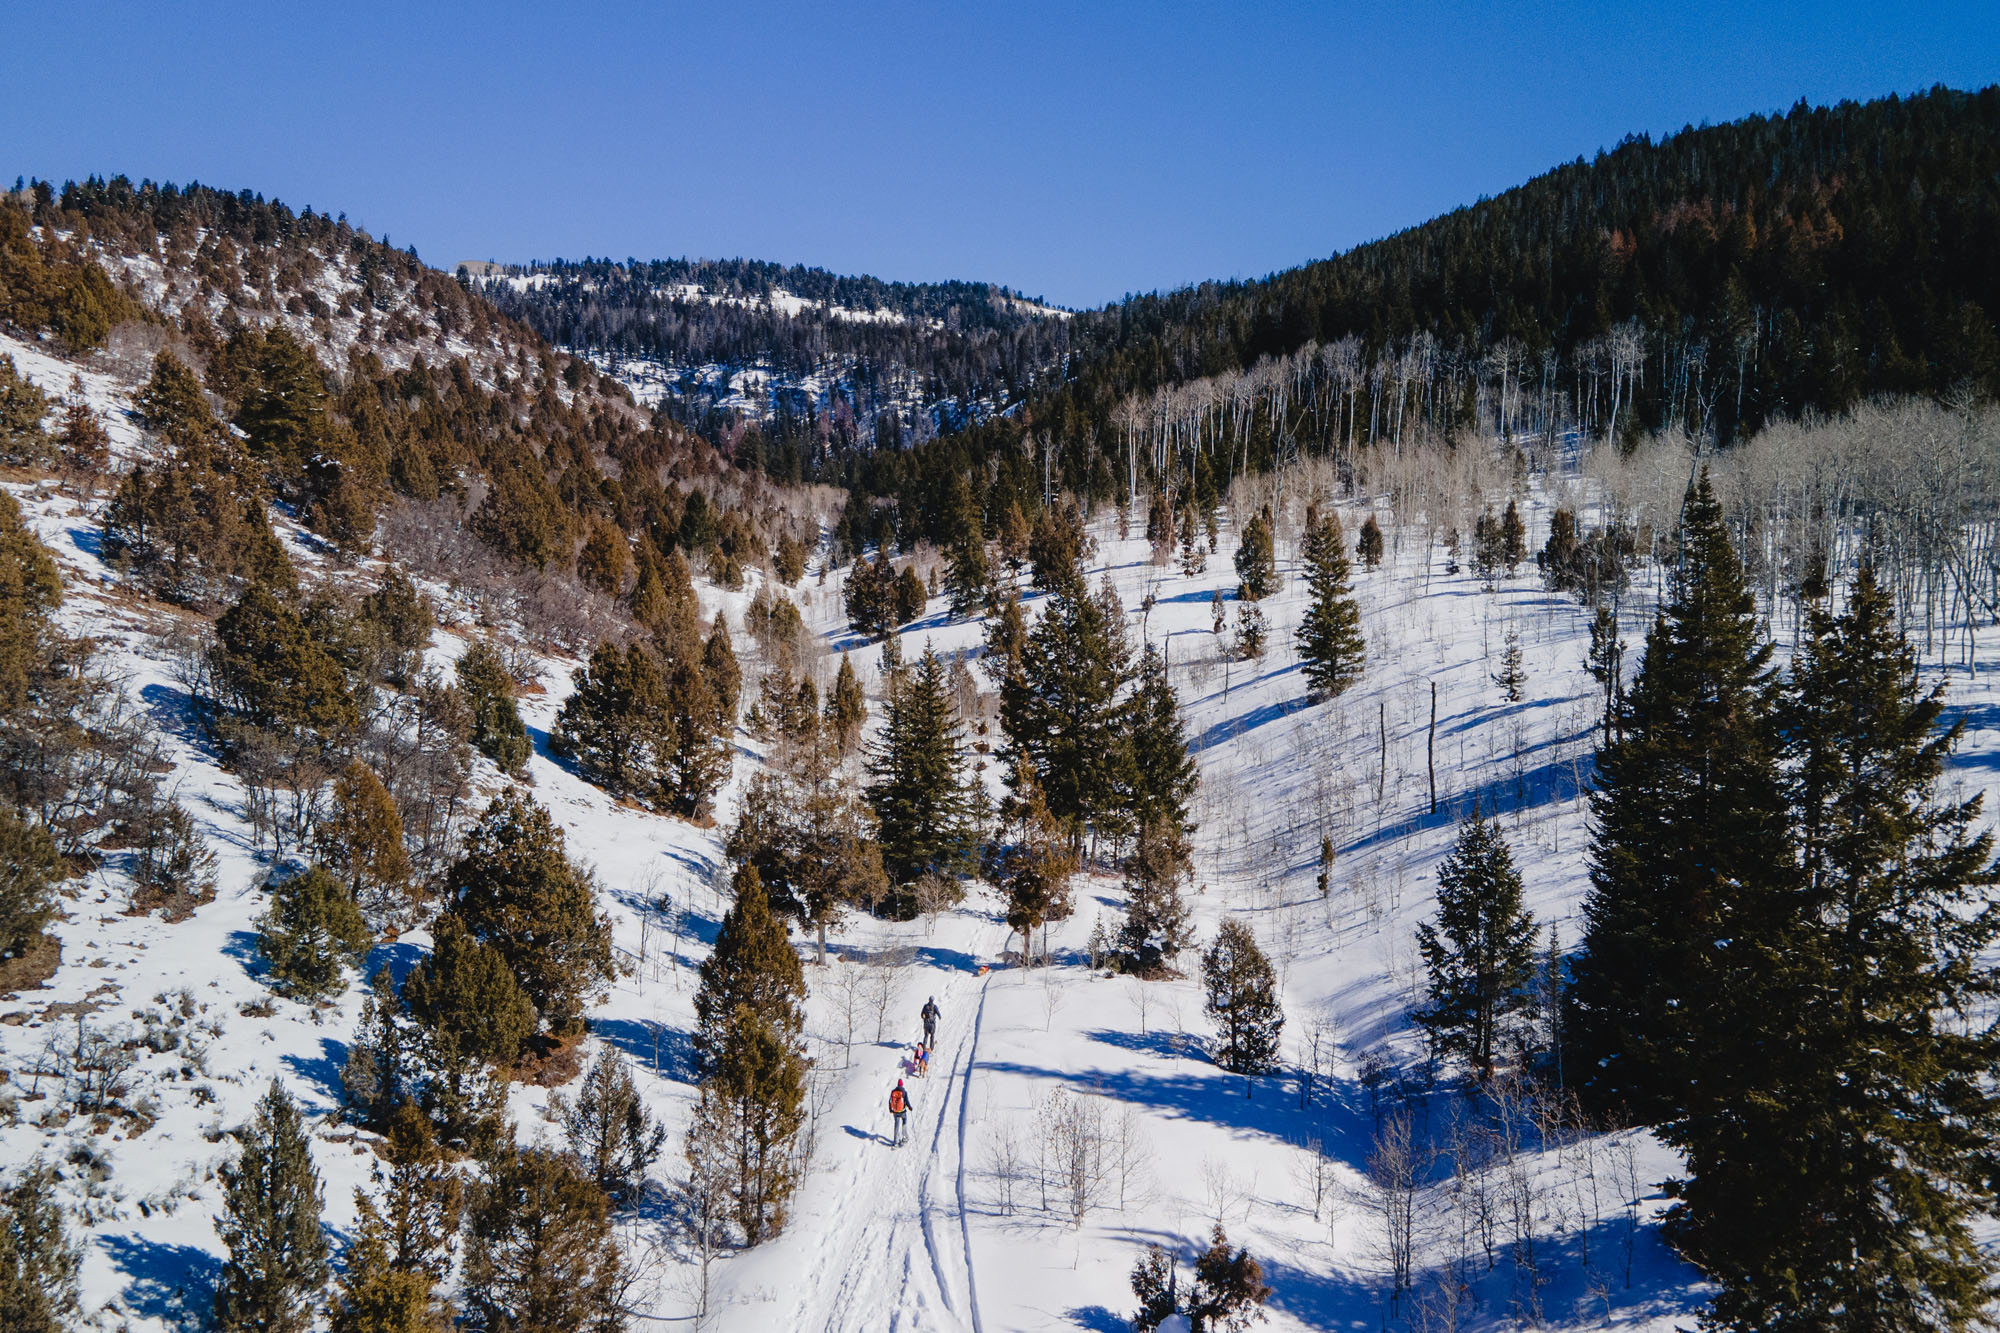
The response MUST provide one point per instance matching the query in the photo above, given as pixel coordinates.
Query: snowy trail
(888, 1260)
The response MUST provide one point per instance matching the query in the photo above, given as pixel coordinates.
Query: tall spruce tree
(1256, 559)
(1480, 952)
(1331, 647)
(1036, 870)
(497, 729)
(967, 577)
(1843, 1193)
(516, 889)
(1242, 998)
(748, 1045)
(918, 782)
(1690, 858)
(1062, 709)
(1162, 774)
(277, 1269)
(846, 706)
(38, 1260)
(540, 1253)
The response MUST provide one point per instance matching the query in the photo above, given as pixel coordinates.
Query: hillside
(814, 364)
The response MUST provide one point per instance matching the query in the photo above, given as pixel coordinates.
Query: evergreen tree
(610, 1131)
(38, 1261)
(312, 934)
(1256, 559)
(1036, 870)
(540, 1253)
(466, 993)
(1062, 711)
(1194, 556)
(1153, 1285)
(173, 406)
(273, 673)
(1250, 632)
(497, 729)
(374, 1296)
(1157, 925)
(613, 726)
(1160, 526)
(697, 749)
(401, 617)
(1480, 952)
(1163, 774)
(1369, 544)
(1013, 537)
(29, 872)
(284, 406)
(1605, 662)
(516, 889)
(720, 671)
(909, 596)
(402, 1246)
(361, 841)
(277, 1267)
(1512, 536)
(1690, 846)
(846, 706)
(918, 783)
(1331, 647)
(1843, 1191)
(1242, 998)
(870, 594)
(1058, 545)
(23, 442)
(1510, 678)
(1229, 1288)
(967, 578)
(748, 1042)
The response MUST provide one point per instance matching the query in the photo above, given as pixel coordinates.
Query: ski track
(883, 1281)
(964, 1101)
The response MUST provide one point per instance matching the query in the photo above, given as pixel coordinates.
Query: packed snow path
(895, 1252)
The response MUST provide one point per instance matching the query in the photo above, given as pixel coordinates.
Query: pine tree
(402, 618)
(1058, 545)
(967, 578)
(1062, 711)
(497, 729)
(1512, 536)
(1690, 845)
(284, 407)
(277, 1267)
(540, 1253)
(312, 934)
(1256, 559)
(1157, 924)
(465, 992)
(613, 726)
(1510, 678)
(1250, 632)
(516, 889)
(610, 1131)
(1163, 774)
(846, 706)
(719, 669)
(1480, 952)
(748, 1043)
(1229, 1288)
(273, 673)
(1605, 662)
(29, 872)
(909, 596)
(1160, 526)
(1193, 556)
(918, 782)
(1036, 870)
(402, 1246)
(1242, 998)
(1843, 1192)
(1369, 545)
(870, 594)
(38, 1261)
(1153, 1285)
(1331, 647)
(697, 750)
(361, 841)
(1013, 537)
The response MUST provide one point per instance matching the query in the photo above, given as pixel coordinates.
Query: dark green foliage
(967, 577)
(1242, 998)
(1690, 845)
(277, 1269)
(29, 872)
(312, 934)
(497, 729)
(173, 405)
(516, 889)
(1512, 536)
(643, 729)
(788, 559)
(919, 784)
(908, 597)
(610, 1131)
(1480, 951)
(1590, 568)
(539, 1249)
(1606, 663)
(38, 1261)
(399, 618)
(273, 673)
(1153, 1285)
(1331, 647)
(1036, 870)
(1157, 926)
(284, 403)
(1057, 545)
(1256, 559)
(846, 706)
(1163, 776)
(720, 671)
(54, 285)
(466, 992)
(871, 597)
(1062, 709)
(1843, 1189)
(748, 1041)
(22, 407)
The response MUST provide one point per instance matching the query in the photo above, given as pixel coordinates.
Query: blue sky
(1074, 151)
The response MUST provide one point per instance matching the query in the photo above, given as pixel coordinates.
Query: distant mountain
(819, 363)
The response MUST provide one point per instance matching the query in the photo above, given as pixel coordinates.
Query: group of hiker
(919, 1067)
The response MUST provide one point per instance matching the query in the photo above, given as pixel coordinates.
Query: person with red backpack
(899, 1107)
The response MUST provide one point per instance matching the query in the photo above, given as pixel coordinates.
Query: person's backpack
(898, 1103)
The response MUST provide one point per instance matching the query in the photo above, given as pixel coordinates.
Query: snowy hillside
(960, 1229)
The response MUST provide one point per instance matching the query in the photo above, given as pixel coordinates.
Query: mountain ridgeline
(819, 363)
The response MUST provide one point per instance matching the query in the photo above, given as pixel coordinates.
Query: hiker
(920, 1061)
(899, 1107)
(930, 1014)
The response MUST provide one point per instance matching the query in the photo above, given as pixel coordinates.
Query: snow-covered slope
(954, 1230)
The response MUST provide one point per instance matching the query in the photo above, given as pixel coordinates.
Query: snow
(920, 1237)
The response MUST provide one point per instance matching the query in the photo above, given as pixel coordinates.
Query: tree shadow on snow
(167, 1282)
(322, 1071)
(666, 1050)
(1098, 1319)
(1230, 728)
